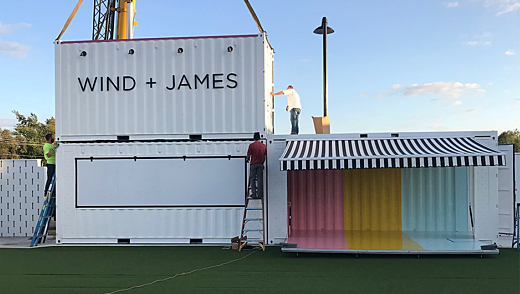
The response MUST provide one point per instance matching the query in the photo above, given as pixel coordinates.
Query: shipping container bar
(160, 39)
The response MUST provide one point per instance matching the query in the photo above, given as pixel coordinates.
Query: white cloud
(13, 49)
(451, 90)
(7, 29)
(305, 60)
(503, 6)
(478, 43)
(397, 86)
(451, 4)
(456, 103)
(510, 52)
(362, 95)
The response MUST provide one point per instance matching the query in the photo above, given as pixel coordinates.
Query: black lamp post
(324, 30)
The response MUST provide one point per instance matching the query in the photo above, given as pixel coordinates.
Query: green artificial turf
(105, 269)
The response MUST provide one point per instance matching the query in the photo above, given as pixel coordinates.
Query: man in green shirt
(49, 152)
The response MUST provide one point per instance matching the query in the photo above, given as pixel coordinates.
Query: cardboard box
(321, 124)
(235, 242)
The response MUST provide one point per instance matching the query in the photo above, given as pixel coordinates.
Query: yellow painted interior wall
(372, 199)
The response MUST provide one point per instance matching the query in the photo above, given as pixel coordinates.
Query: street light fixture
(324, 29)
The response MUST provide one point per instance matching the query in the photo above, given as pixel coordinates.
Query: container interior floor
(403, 241)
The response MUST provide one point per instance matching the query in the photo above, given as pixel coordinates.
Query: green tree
(510, 137)
(10, 146)
(27, 138)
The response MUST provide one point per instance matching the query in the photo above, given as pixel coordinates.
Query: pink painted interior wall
(316, 200)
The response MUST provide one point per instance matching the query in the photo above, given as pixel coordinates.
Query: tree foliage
(510, 137)
(27, 138)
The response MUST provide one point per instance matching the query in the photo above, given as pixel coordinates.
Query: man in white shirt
(293, 105)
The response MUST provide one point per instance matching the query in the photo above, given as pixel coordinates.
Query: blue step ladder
(516, 237)
(49, 205)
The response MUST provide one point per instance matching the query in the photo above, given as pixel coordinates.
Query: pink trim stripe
(160, 39)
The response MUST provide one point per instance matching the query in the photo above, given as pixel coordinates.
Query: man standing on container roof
(293, 105)
(256, 156)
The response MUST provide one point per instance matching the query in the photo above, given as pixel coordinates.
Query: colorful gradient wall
(373, 209)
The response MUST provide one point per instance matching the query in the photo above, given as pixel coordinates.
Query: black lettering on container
(116, 86)
(173, 86)
(182, 83)
(231, 80)
(215, 81)
(204, 80)
(87, 81)
(124, 83)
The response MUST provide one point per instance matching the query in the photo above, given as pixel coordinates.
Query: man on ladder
(256, 156)
(49, 204)
(254, 211)
(49, 152)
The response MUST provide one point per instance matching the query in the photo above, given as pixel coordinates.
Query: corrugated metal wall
(316, 199)
(372, 199)
(149, 225)
(435, 199)
(221, 104)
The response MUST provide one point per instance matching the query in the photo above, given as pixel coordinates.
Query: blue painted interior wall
(434, 199)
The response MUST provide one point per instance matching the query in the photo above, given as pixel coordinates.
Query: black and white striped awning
(388, 153)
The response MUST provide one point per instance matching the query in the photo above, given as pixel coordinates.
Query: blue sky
(393, 65)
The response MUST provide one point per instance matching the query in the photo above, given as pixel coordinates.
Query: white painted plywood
(22, 184)
(161, 182)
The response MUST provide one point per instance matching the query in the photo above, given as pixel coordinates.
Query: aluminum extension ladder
(49, 205)
(252, 208)
(516, 237)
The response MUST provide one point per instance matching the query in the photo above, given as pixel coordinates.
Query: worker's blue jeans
(295, 113)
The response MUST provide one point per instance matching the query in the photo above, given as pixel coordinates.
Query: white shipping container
(170, 88)
(170, 192)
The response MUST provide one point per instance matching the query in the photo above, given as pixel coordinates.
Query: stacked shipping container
(151, 129)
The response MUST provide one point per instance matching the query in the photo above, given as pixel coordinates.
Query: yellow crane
(104, 19)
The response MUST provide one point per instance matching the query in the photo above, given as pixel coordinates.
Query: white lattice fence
(21, 194)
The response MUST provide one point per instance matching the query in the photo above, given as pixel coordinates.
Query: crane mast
(104, 19)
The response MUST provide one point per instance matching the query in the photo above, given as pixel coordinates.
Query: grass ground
(106, 269)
